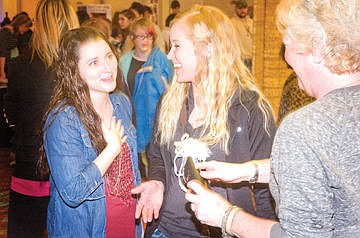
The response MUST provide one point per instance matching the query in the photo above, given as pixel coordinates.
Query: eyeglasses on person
(142, 37)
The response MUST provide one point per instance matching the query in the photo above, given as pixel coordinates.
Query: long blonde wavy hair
(217, 77)
(52, 19)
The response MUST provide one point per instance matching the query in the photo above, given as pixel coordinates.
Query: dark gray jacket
(249, 141)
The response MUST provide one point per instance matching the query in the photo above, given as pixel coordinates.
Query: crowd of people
(104, 112)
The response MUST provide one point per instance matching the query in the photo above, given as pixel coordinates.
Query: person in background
(90, 143)
(212, 99)
(292, 97)
(6, 20)
(82, 15)
(9, 42)
(31, 81)
(123, 20)
(147, 72)
(24, 39)
(314, 168)
(101, 24)
(175, 9)
(117, 38)
(244, 28)
(149, 15)
(22, 45)
(117, 35)
(138, 9)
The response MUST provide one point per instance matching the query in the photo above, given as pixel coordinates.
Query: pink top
(30, 187)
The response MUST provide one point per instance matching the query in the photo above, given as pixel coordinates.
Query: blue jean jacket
(149, 86)
(77, 198)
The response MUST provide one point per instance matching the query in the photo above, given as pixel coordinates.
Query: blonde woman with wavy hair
(213, 99)
(30, 87)
(219, 60)
(313, 173)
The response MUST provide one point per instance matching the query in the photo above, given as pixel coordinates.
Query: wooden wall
(269, 69)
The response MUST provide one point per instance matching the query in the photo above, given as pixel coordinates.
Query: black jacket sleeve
(155, 159)
(12, 96)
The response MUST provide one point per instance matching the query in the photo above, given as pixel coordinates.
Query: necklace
(119, 179)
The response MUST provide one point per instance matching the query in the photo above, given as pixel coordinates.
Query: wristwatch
(255, 177)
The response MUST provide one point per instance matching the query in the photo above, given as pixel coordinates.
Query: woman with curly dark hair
(90, 143)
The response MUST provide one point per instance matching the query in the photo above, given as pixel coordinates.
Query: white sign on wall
(95, 10)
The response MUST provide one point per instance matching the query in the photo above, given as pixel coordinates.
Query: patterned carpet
(5, 174)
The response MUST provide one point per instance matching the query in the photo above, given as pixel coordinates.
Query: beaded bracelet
(227, 221)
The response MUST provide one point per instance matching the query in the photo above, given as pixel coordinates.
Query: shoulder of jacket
(120, 98)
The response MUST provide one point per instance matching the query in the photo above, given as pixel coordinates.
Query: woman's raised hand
(114, 137)
(114, 134)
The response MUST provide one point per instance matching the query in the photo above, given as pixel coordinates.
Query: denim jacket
(149, 86)
(77, 198)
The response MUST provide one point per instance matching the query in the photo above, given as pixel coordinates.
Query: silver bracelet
(230, 219)
(227, 220)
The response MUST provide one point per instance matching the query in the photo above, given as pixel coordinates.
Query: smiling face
(182, 53)
(98, 67)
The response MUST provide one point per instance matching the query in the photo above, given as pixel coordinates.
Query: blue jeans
(158, 234)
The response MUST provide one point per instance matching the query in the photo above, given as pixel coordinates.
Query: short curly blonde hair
(335, 23)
